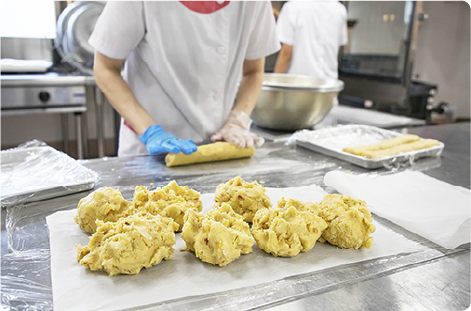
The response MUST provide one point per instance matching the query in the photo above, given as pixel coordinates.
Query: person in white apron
(192, 70)
(311, 33)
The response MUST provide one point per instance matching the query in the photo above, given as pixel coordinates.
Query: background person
(311, 33)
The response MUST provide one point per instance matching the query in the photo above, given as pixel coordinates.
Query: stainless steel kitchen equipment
(74, 26)
(69, 84)
(291, 102)
(377, 63)
(50, 93)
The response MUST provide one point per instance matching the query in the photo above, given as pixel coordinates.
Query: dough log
(209, 153)
(391, 147)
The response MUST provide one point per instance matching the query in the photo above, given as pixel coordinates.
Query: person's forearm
(284, 59)
(120, 95)
(250, 85)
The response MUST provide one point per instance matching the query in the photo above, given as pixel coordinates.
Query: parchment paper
(419, 203)
(77, 288)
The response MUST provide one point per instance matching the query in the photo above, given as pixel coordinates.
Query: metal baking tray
(331, 141)
(38, 173)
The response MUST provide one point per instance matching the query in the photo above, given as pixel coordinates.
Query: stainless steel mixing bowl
(293, 102)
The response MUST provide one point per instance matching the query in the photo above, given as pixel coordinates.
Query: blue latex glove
(158, 141)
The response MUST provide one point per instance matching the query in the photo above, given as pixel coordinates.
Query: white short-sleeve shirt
(316, 30)
(184, 59)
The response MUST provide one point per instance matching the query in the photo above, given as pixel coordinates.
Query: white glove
(236, 131)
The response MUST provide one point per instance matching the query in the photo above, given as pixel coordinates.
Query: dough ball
(287, 229)
(349, 222)
(170, 201)
(129, 244)
(105, 204)
(218, 237)
(244, 198)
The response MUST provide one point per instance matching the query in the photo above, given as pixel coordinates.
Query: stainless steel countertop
(437, 279)
(47, 79)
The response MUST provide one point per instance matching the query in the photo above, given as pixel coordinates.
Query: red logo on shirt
(204, 7)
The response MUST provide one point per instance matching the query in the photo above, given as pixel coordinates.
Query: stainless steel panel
(35, 97)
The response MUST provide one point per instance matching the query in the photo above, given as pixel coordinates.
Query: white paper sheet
(77, 288)
(424, 205)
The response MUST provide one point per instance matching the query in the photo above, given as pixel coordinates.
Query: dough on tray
(244, 198)
(129, 244)
(170, 201)
(291, 227)
(104, 204)
(413, 146)
(394, 146)
(218, 237)
(349, 222)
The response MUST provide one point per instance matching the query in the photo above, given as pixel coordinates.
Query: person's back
(315, 30)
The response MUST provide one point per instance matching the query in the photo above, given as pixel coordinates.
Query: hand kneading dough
(171, 201)
(103, 204)
(285, 231)
(218, 237)
(129, 244)
(349, 222)
(244, 198)
(209, 153)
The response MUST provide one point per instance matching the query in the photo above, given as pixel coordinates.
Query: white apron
(184, 63)
(316, 30)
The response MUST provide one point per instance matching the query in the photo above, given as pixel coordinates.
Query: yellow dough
(244, 198)
(287, 229)
(105, 204)
(416, 145)
(349, 222)
(390, 147)
(218, 237)
(109, 205)
(385, 144)
(170, 201)
(208, 153)
(129, 244)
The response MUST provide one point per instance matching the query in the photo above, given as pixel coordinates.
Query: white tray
(331, 141)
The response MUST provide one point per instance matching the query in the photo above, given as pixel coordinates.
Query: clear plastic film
(34, 171)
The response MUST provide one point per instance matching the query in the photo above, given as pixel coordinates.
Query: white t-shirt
(315, 29)
(184, 60)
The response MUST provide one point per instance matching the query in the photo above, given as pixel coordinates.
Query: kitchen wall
(377, 33)
(443, 53)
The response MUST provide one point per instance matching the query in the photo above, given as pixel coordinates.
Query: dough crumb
(129, 244)
(349, 222)
(244, 198)
(218, 237)
(291, 227)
